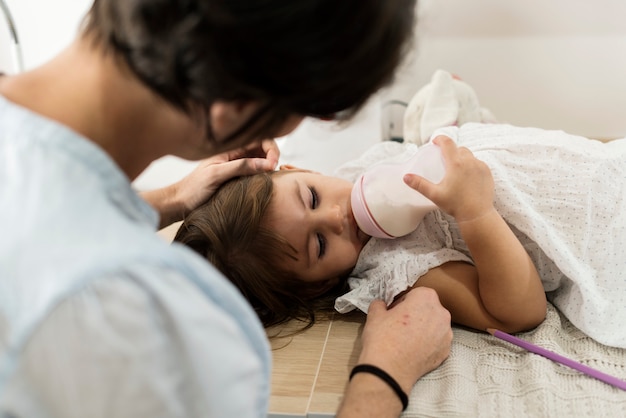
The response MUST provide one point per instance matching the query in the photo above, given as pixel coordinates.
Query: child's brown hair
(229, 231)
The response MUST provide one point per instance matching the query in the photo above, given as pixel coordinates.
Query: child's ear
(287, 167)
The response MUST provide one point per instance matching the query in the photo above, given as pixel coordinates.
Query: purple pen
(611, 380)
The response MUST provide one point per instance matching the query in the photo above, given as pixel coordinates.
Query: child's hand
(467, 189)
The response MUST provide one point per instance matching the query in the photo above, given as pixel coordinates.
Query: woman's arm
(503, 290)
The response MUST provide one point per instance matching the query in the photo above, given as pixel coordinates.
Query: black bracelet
(368, 368)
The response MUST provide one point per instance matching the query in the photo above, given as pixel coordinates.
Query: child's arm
(503, 290)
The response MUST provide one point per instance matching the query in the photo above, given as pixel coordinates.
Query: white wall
(44, 26)
(558, 64)
(553, 64)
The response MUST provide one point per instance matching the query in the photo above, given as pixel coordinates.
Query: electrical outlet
(392, 116)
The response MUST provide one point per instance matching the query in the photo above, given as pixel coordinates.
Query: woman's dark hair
(295, 57)
(230, 232)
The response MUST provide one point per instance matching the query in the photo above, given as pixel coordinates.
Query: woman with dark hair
(98, 316)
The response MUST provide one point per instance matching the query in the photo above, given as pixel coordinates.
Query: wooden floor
(311, 368)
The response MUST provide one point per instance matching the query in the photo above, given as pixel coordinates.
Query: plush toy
(445, 101)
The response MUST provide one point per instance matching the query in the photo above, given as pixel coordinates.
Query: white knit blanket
(487, 377)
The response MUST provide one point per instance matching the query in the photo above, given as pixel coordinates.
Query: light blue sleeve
(122, 349)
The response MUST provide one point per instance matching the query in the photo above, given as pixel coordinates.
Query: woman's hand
(211, 173)
(409, 339)
(467, 189)
(406, 341)
(175, 201)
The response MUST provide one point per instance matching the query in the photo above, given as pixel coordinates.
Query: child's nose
(334, 219)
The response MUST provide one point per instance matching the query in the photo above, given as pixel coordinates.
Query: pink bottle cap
(362, 214)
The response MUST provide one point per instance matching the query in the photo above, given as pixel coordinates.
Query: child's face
(313, 213)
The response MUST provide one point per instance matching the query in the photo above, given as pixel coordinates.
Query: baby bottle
(384, 206)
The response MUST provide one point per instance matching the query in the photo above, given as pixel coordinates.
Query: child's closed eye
(315, 200)
(321, 242)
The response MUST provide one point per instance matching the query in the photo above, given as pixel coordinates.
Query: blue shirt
(100, 317)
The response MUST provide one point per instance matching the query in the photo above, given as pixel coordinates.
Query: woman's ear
(228, 116)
